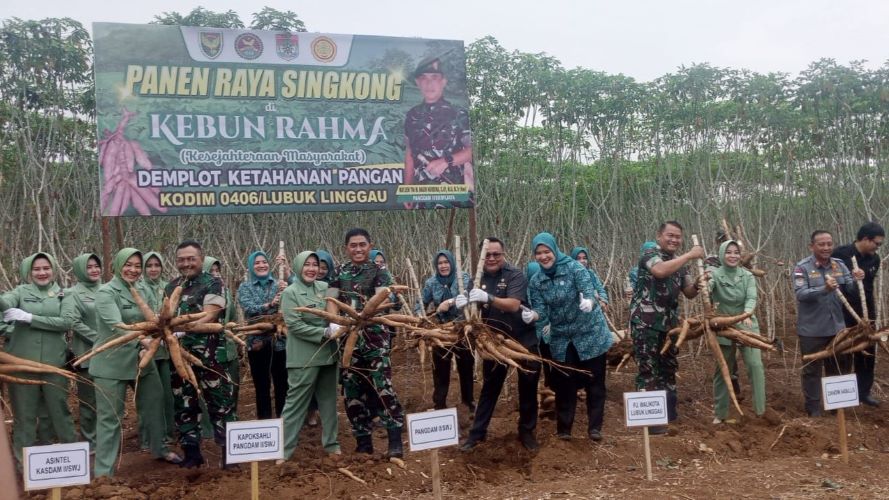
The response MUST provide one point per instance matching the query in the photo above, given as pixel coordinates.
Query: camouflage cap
(429, 65)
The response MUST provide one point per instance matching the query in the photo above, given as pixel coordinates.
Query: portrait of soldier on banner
(438, 141)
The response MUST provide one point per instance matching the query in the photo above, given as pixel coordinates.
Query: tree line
(596, 158)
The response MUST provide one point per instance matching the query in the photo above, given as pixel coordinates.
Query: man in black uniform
(502, 293)
(438, 143)
(869, 238)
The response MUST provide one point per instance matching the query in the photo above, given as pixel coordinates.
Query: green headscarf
(145, 258)
(28, 263)
(300, 261)
(78, 267)
(120, 259)
(549, 241)
(724, 271)
(208, 263)
(577, 251)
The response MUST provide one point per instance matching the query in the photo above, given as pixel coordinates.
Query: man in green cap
(79, 308)
(438, 142)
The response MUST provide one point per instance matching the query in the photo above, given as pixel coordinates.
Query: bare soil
(784, 454)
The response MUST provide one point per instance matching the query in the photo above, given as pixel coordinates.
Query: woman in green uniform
(311, 357)
(151, 286)
(115, 369)
(38, 333)
(733, 290)
(79, 309)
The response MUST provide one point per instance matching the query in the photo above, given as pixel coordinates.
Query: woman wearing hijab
(259, 295)
(116, 369)
(733, 290)
(213, 266)
(439, 291)
(582, 255)
(326, 265)
(562, 295)
(311, 357)
(79, 310)
(38, 333)
(151, 287)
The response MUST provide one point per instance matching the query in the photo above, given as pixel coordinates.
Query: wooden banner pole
(844, 447)
(436, 475)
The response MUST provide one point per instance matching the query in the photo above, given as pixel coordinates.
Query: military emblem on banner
(211, 43)
(323, 49)
(248, 46)
(287, 46)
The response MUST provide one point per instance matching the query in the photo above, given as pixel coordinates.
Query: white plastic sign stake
(56, 466)
(645, 408)
(840, 392)
(432, 430)
(254, 441)
(642, 409)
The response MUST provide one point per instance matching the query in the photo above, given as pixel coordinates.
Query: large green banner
(204, 120)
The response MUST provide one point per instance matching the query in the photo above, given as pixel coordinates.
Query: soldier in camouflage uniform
(370, 374)
(438, 142)
(201, 292)
(654, 311)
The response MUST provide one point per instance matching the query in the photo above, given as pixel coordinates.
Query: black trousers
(268, 367)
(864, 368)
(567, 382)
(441, 375)
(814, 370)
(494, 376)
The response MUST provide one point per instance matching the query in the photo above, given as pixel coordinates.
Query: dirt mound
(781, 454)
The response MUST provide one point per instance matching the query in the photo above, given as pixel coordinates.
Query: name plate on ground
(645, 408)
(433, 429)
(56, 465)
(254, 440)
(840, 391)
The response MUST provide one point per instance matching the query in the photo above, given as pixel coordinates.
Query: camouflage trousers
(368, 392)
(218, 393)
(656, 371)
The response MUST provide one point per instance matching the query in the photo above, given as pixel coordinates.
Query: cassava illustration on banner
(203, 120)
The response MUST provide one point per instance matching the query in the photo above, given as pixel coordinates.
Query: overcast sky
(640, 38)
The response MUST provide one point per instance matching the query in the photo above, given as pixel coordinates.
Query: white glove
(330, 330)
(178, 335)
(479, 295)
(528, 315)
(13, 314)
(586, 305)
(460, 301)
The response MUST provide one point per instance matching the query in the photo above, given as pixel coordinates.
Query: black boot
(365, 444)
(193, 457)
(223, 460)
(396, 448)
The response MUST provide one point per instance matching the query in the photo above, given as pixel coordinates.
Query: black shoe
(471, 407)
(193, 457)
(564, 436)
(870, 401)
(223, 461)
(529, 441)
(595, 435)
(470, 444)
(657, 430)
(396, 447)
(365, 444)
(816, 413)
